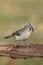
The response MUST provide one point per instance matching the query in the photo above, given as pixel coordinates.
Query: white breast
(23, 36)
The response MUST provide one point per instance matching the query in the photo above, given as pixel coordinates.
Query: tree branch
(22, 51)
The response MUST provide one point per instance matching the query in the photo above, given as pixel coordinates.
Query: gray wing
(19, 32)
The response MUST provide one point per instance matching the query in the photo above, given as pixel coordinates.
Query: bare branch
(22, 51)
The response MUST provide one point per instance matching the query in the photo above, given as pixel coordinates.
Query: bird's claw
(15, 45)
(28, 45)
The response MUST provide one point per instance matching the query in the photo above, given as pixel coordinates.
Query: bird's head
(30, 27)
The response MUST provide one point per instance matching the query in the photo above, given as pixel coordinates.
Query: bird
(23, 33)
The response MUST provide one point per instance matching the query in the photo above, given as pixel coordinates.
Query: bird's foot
(28, 45)
(14, 45)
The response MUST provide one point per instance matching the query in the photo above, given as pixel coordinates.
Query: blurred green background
(15, 14)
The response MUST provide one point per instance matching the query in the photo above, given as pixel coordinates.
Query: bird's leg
(15, 44)
(22, 42)
(26, 43)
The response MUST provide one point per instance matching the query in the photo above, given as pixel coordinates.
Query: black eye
(30, 29)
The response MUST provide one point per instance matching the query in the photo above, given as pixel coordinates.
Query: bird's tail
(6, 37)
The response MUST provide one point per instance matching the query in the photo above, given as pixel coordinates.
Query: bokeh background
(15, 14)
